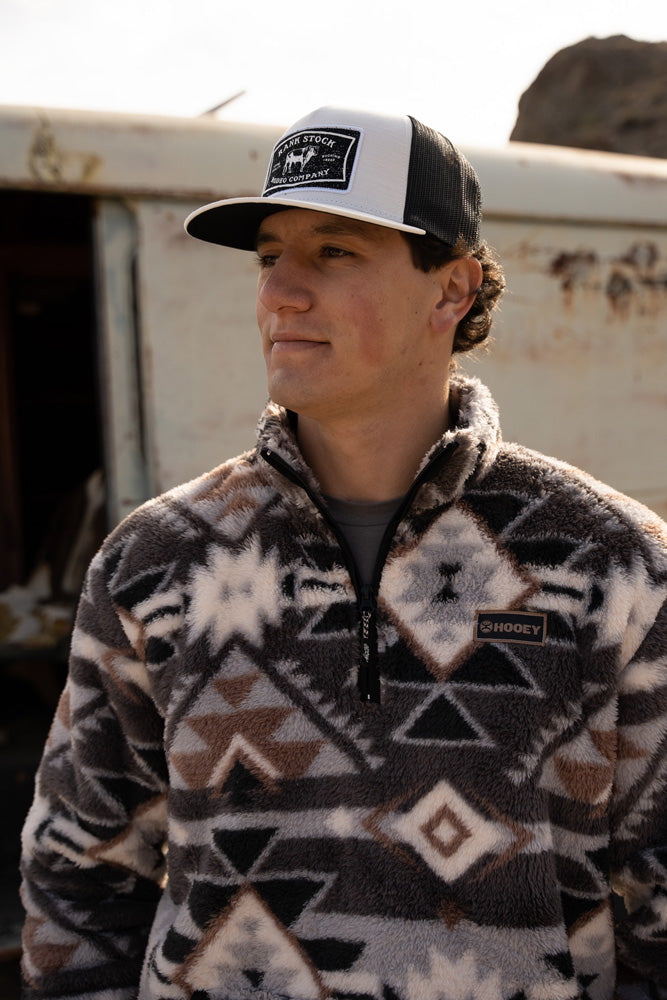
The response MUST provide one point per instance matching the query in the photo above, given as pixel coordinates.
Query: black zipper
(368, 675)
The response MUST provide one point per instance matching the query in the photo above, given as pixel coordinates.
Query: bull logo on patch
(299, 156)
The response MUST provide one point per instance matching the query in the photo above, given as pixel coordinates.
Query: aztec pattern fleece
(452, 840)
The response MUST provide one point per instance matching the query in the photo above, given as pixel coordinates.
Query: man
(379, 708)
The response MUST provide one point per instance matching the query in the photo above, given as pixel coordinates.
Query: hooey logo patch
(322, 157)
(511, 626)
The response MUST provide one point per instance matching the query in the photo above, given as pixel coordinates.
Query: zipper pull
(368, 680)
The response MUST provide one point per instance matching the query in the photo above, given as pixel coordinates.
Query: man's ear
(460, 281)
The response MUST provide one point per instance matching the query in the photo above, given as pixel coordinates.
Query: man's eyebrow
(265, 237)
(346, 227)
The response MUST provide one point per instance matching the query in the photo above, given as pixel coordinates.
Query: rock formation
(603, 93)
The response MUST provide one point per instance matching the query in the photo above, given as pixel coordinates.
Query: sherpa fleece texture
(456, 841)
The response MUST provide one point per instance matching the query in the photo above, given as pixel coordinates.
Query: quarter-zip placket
(368, 675)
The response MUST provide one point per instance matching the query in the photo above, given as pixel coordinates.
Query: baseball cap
(389, 170)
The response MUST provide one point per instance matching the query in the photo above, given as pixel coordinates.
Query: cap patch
(322, 157)
(511, 626)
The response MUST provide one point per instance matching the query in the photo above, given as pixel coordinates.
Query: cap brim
(235, 221)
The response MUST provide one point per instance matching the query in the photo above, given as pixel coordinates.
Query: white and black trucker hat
(385, 169)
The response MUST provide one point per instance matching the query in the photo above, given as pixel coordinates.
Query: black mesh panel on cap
(443, 195)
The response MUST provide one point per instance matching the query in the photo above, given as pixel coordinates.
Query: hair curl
(430, 254)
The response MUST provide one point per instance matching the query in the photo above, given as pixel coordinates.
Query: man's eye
(335, 252)
(266, 259)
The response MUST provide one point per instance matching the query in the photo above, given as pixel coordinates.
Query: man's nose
(284, 286)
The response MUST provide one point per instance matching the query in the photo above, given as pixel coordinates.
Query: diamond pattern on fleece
(219, 817)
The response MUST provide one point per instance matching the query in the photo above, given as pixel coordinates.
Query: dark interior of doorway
(50, 443)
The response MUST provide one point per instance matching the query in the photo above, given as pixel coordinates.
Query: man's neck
(373, 460)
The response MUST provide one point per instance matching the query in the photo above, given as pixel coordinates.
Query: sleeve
(639, 819)
(93, 860)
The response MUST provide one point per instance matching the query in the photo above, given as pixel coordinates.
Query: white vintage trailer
(578, 361)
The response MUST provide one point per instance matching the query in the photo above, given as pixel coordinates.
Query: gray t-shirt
(363, 525)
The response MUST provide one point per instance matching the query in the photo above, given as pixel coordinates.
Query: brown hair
(429, 254)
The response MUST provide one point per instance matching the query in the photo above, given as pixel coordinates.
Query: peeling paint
(657, 281)
(641, 255)
(640, 179)
(626, 279)
(573, 268)
(44, 157)
(619, 291)
(618, 286)
(48, 162)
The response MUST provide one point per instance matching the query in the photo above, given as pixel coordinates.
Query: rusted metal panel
(578, 361)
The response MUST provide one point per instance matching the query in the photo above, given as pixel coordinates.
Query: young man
(379, 708)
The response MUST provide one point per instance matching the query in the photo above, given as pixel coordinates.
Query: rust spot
(572, 268)
(44, 158)
(253, 154)
(89, 166)
(641, 180)
(641, 255)
(48, 162)
(658, 281)
(619, 287)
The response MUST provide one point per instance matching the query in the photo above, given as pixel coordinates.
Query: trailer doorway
(50, 446)
(49, 399)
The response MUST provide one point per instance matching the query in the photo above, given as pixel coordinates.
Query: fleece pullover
(267, 782)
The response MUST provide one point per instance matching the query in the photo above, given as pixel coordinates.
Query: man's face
(344, 317)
